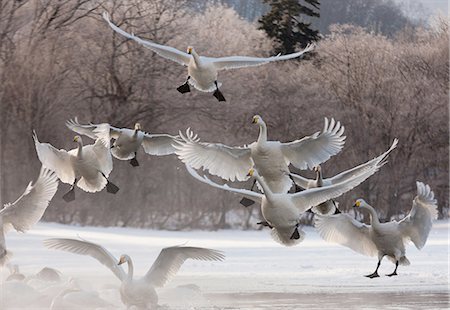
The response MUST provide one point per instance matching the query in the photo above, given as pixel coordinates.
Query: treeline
(59, 59)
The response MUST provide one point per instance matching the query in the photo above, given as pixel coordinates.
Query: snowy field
(257, 273)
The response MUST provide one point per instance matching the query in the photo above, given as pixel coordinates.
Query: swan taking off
(202, 71)
(87, 166)
(127, 141)
(28, 209)
(383, 239)
(270, 158)
(141, 292)
(282, 211)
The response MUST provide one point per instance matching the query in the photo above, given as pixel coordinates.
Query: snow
(256, 274)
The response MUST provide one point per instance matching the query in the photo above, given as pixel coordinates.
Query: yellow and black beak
(255, 120)
(250, 172)
(189, 50)
(121, 261)
(357, 204)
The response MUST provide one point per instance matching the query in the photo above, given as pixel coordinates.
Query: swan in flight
(202, 71)
(270, 158)
(383, 239)
(329, 206)
(140, 293)
(87, 166)
(28, 209)
(282, 211)
(127, 141)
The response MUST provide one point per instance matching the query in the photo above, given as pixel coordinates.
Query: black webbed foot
(70, 195)
(373, 275)
(134, 162)
(246, 202)
(392, 274)
(265, 224)
(295, 234)
(184, 88)
(111, 188)
(219, 96)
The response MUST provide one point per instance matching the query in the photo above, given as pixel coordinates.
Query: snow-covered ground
(257, 273)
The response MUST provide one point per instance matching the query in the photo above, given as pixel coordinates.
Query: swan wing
(234, 62)
(55, 160)
(417, 225)
(28, 209)
(243, 192)
(99, 153)
(87, 248)
(229, 163)
(159, 144)
(89, 130)
(170, 259)
(162, 50)
(344, 176)
(300, 181)
(317, 148)
(345, 230)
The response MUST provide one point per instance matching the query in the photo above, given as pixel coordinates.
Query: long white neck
(374, 221)
(267, 192)
(80, 148)
(319, 180)
(197, 60)
(262, 138)
(130, 269)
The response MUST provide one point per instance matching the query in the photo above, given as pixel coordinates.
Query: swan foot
(295, 234)
(392, 274)
(184, 88)
(373, 275)
(265, 224)
(246, 202)
(134, 162)
(111, 188)
(70, 195)
(218, 94)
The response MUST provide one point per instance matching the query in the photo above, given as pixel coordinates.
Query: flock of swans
(88, 167)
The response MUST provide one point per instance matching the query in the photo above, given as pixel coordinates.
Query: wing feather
(159, 144)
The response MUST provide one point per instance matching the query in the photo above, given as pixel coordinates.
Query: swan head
(190, 50)
(77, 139)
(257, 119)
(123, 259)
(137, 126)
(317, 168)
(252, 173)
(360, 203)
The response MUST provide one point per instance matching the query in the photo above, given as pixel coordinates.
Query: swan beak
(121, 261)
(75, 139)
(250, 172)
(255, 120)
(357, 204)
(189, 50)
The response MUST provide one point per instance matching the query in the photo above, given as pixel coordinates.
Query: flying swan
(87, 166)
(127, 141)
(281, 211)
(383, 239)
(140, 293)
(28, 209)
(202, 71)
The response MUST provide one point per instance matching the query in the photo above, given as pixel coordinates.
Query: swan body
(141, 292)
(127, 141)
(329, 206)
(270, 158)
(87, 166)
(383, 239)
(282, 211)
(203, 71)
(27, 210)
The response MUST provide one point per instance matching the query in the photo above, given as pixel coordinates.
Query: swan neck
(319, 180)
(196, 58)
(373, 215)
(262, 133)
(80, 148)
(130, 269)
(267, 192)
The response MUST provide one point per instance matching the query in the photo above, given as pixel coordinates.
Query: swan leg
(295, 234)
(336, 211)
(70, 195)
(265, 224)
(395, 270)
(375, 273)
(185, 87)
(134, 161)
(110, 187)
(218, 94)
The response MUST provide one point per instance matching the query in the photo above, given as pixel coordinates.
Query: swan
(27, 210)
(383, 239)
(87, 166)
(329, 206)
(202, 71)
(282, 211)
(270, 158)
(127, 141)
(140, 293)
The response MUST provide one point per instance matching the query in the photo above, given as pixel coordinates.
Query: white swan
(28, 209)
(281, 211)
(383, 239)
(127, 141)
(329, 206)
(140, 293)
(202, 71)
(86, 166)
(270, 158)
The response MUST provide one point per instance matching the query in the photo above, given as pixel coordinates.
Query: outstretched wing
(243, 192)
(234, 62)
(159, 144)
(28, 209)
(55, 160)
(170, 260)
(87, 248)
(162, 50)
(316, 149)
(417, 225)
(344, 230)
(90, 129)
(229, 163)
